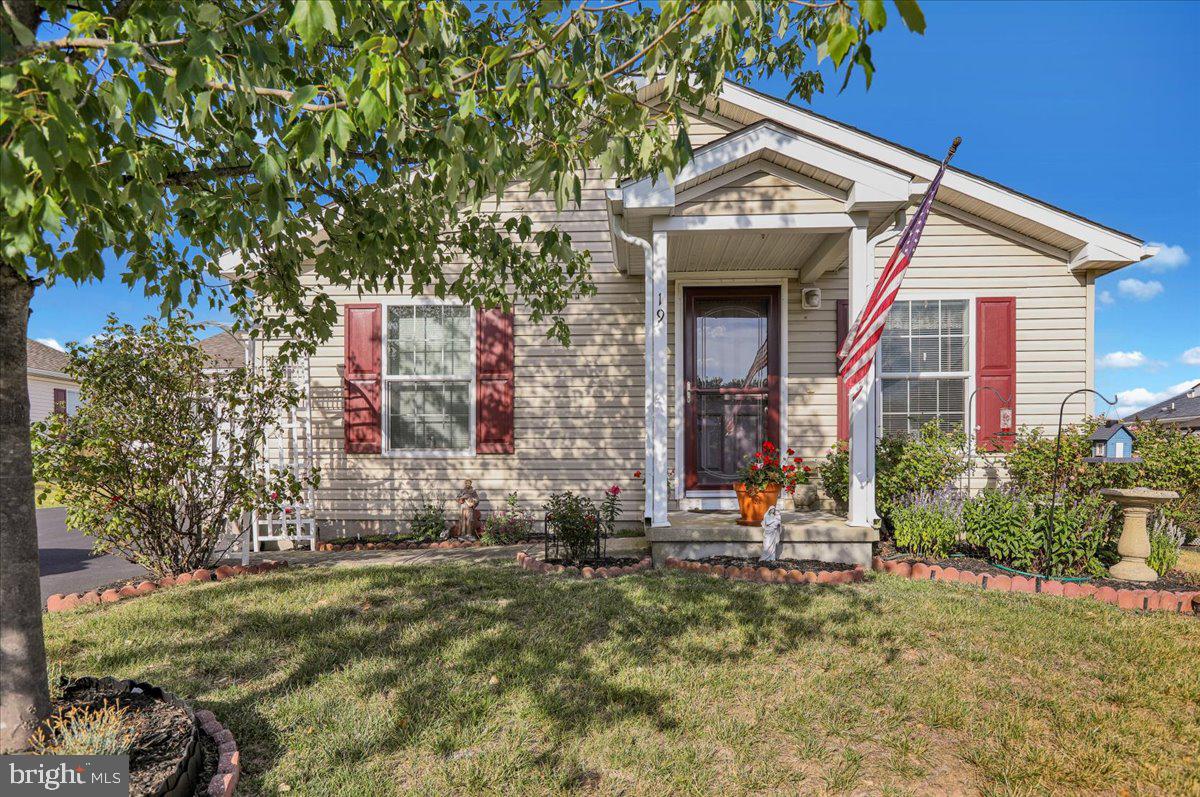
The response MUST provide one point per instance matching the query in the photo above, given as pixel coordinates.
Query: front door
(730, 380)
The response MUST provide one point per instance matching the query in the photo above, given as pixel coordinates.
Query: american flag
(862, 339)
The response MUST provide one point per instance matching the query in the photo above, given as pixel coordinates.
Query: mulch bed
(1174, 581)
(600, 567)
(781, 571)
(209, 758)
(803, 565)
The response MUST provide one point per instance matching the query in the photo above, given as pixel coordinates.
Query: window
(924, 365)
(428, 378)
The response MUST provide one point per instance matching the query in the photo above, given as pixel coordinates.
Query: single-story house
(1182, 411)
(50, 388)
(224, 349)
(722, 295)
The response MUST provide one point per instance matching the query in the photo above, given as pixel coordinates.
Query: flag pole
(953, 148)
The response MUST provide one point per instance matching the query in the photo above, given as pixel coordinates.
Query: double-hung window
(924, 365)
(429, 378)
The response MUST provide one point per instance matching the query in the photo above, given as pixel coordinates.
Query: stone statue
(772, 525)
(468, 511)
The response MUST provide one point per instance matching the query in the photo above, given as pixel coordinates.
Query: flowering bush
(762, 469)
(508, 525)
(610, 509)
(928, 523)
(795, 472)
(573, 524)
(1166, 538)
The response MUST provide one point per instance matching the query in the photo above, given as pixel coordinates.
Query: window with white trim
(924, 365)
(428, 378)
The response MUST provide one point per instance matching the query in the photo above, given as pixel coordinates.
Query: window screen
(429, 377)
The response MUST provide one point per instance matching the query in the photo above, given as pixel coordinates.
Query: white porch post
(862, 421)
(656, 276)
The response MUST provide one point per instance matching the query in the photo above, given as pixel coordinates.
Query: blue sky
(1093, 107)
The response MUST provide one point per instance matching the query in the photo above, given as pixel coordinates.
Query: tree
(360, 139)
(166, 451)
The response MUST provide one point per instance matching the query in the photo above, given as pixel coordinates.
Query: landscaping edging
(61, 603)
(1143, 599)
(769, 575)
(229, 762)
(414, 546)
(538, 566)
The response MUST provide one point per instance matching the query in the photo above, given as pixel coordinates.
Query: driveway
(66, 559)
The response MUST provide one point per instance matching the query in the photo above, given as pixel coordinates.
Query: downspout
(648, 375)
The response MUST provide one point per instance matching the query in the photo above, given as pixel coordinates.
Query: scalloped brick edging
(533, 565)
(229, 762)
(62, 603)
(1134, 599)
(769, 575)
(413, 546)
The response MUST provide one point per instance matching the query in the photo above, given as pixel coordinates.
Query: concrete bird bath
(1134, 545)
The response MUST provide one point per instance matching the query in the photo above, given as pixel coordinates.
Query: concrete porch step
(805, 535)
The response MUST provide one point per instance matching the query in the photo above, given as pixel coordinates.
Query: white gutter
(50, 374)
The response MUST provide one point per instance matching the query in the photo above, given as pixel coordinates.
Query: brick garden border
(61, 603)
(535, 565)
(769, 575)
(229, 761)
(1133, 599)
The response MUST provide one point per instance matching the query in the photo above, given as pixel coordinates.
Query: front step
(805, 535)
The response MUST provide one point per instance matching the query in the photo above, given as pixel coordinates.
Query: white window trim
(969, 376)
(471, 379)
(723, 499)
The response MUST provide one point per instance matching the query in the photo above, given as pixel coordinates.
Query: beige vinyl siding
(758, 193)
(41, 395)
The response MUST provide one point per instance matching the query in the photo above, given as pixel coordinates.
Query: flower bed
(991, 578)
(585, 570)
(782, 571)
(60, 603)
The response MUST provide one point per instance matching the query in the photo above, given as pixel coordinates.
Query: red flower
(790, 452)
(637, 474)
(807, 469)
(768, 446)
(614, 490)
(758, 455)
(274, 496)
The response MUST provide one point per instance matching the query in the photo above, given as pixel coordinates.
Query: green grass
(450, 680)
(47, 496)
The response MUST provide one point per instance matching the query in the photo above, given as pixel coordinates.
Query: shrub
(928, 524)
(1000, 524)
(573, 521)
(834, 474)
(508, 525)
(1166, 538)
(428, 520)
(163, 451)
(84, 730)
(927, 462)
(1081, 527)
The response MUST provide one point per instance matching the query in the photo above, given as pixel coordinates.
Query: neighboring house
(50, 389)
(745, 270)
(1182, 411)
(225, 350)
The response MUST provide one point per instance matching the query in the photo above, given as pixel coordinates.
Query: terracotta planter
(753, 506)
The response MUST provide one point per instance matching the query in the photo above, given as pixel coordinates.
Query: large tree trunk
(24, 698)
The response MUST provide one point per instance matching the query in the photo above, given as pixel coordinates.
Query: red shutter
(60, 400)
(493, 382)
(996, 367)
(362, 379)
(843, 408)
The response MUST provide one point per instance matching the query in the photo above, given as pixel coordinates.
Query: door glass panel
(730, 427)
(731, 342)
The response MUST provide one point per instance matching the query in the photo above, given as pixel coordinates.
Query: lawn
(1189, 560)
(449, 680)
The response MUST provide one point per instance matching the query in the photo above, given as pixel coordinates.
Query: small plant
(1000, 522)
(429, 519)
(610, 509)
(834, 473)
(928, 524)
(795, 472)
(508, 525)
(762, 469)
(1080, 530)
(1166, 538)
(84, 730)
(573, 523)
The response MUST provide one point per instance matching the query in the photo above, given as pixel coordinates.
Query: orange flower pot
(753, 506)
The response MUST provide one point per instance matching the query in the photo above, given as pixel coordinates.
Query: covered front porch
(753, 259)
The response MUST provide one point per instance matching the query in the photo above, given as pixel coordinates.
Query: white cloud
(52, 343)
(1137, 289)
(1191, 356)
(1168, 258)
(1106, 297)
(1139, 397)
(1122, 359)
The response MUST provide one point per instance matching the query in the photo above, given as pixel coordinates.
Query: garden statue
(772, 525)
(1134, 545)
(468, 510)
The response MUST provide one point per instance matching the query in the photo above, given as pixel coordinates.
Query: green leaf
(841, 37)
(873, 12)
(301, 96)
(312, 18)
(372, 109)
(338, 127)
(912, 15)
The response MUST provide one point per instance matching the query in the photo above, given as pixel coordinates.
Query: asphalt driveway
(66, 560)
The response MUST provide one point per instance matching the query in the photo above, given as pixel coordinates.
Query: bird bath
(1134, 545)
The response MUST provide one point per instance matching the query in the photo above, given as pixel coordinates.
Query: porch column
(656, 277)
(862, 420)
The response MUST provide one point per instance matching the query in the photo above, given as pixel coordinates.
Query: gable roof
(1178, 409)
(224, 350)
(1108, 430)
(40, 357)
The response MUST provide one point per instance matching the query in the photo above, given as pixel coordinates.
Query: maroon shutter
(362, 379)
(60, 400)
(996, 367)
(493, 382)
(843, 409)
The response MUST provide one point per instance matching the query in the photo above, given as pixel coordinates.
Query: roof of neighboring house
(40, 357)
(225, 350)
(1105, 432)
(1182, 408)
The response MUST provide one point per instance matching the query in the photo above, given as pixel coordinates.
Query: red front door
(730, 379)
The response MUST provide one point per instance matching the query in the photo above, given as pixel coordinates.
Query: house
(1182, 411)
(224, 350)
(50, 388)
(722, 295)
(1111, 442)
